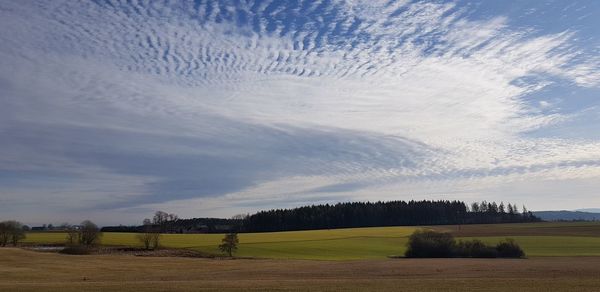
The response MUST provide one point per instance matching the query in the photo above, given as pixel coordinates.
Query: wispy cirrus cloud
(144, 104)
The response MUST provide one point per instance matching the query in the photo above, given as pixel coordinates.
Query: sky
(111, 110)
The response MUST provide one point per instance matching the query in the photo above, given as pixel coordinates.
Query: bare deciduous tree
(160, 218)
(155, 240)
(17, 233)
(164, 220)
(11, 231)
(4, 233)
(145, 239)
(72, 234)
(239, 216)
(150, 238)
(89, 233)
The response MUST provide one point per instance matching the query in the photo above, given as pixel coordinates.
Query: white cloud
(371, 97)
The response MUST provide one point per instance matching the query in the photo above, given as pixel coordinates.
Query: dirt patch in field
(118, 250)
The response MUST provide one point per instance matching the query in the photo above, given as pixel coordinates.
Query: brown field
(22, 270)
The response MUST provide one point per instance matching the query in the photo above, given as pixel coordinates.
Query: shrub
(508, 248)
(430, 244)
(150, 240)
(476, 249)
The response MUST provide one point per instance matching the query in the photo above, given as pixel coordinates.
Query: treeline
(194, 225)
(163, 222)
(393, 213)
(341, 215)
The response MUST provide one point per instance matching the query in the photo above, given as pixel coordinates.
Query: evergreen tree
(229, 244)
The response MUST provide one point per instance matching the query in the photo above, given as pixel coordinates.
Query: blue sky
(111, 110)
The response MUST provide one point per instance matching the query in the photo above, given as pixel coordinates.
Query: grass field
(537, 239)
(335, 244)
(562, 256)
(22, 270)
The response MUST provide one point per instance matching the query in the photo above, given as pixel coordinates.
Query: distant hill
(567, 215)
(589, 210)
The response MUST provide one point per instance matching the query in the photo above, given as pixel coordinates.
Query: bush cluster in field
(432, 244)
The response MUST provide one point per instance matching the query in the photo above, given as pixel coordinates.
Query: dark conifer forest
(393, 213)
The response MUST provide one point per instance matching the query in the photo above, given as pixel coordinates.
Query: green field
(537, 239)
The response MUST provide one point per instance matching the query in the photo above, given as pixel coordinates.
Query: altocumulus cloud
(216, 107)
